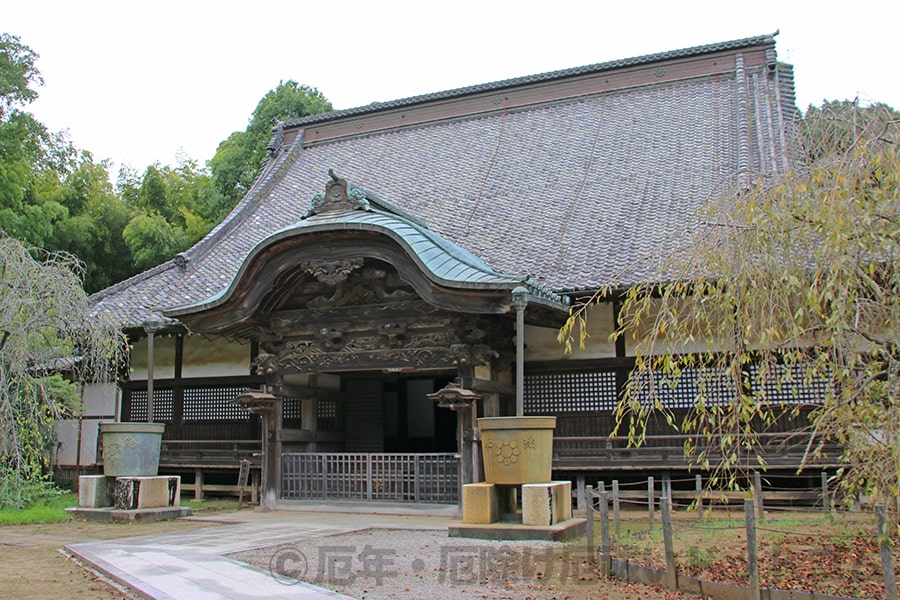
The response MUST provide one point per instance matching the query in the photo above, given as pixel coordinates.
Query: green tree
(789, 281)
(152, 240)
(239, 158)
(18, 74)
(45, 330)
(93, 231)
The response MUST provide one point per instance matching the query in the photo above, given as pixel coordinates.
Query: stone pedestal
(129, 499)
(546, 504)
(480, 503)
(95, 491)
(518, 454)
(136, 493)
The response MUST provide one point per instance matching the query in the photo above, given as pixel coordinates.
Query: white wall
(203, 357)
(541, 342)
(100, 402)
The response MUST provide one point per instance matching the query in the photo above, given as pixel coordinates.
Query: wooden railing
(378, 477)
(208, 453)
(663, 452)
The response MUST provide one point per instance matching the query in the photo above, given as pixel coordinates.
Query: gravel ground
(412, 564)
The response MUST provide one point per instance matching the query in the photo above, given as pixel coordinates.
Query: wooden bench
(203, 457)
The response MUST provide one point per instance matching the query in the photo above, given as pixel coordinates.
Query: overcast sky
(138, 82)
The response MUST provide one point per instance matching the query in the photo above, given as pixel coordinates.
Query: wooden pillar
(151, 327)
(309, 419)
(275, 445)
(491, 405)
(520, 302)
(475, 444)
(198, 484)
(269, 407)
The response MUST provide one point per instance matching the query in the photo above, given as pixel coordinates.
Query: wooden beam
(297, 391)
(302, 435)
(487, 386)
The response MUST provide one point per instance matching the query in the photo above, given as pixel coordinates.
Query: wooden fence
(598, 508)
(380, 477)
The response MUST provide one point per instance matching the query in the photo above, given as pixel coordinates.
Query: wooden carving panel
(369, 318)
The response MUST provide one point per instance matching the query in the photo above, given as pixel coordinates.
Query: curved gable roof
(445, 264)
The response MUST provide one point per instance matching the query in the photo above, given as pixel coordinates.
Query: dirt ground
(834, 554)
(391, 564)
(797, 552)
(34, 567)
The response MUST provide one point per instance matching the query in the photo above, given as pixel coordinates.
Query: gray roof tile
(574, 194)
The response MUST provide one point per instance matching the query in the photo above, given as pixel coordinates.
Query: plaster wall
(99, 403)
(203, 357)
(541, 342)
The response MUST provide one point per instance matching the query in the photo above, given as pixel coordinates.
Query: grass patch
(49, 511)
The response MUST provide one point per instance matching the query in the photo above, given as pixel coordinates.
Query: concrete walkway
(191, 565)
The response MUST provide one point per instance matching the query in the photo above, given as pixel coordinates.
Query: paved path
(191, 565)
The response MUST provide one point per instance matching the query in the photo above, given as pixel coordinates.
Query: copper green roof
(445, 263)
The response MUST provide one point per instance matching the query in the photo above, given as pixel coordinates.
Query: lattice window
(213, 404)
(789, 384)
(570, 392)
(292, 408)
(163, 405)
(683, 390)
(327, 409)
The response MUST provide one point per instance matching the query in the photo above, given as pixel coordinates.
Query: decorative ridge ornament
(338, 196)
(341, 194)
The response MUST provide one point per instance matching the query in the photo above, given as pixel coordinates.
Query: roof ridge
(537, 78)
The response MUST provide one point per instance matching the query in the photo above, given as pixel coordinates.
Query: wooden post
(650, 499)
(589, 513)
(151, 329)
(198, 484)
(520, 301)
(665, 504)
(601, 486)
(757, 496)
(605, 558)
(698, 484)
(243, 475)
(667, 484)
(615, 500)
(579, 489)
(369, 477)
(752, 549)
(825, 499)
(887, 559)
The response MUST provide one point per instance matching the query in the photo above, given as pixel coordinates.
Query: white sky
(137, 81)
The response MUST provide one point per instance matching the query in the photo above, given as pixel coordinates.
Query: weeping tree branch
(788, 281)
(49, 342)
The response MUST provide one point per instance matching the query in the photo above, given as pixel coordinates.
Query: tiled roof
(538, 78)
(572, 193)
(441, 260)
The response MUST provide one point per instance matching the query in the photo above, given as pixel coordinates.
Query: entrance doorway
(412, 422)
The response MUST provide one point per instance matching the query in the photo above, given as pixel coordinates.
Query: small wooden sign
(243, 475)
